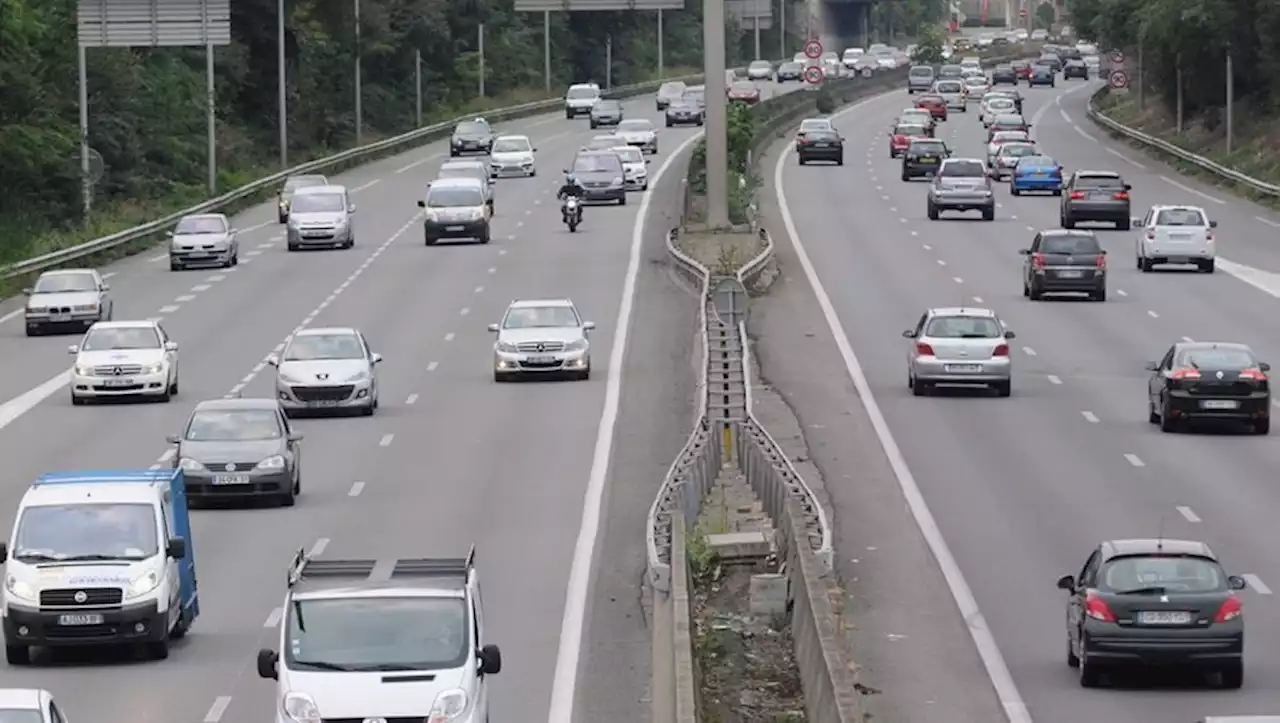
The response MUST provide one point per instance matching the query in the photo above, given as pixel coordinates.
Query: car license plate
(964, 368)
(821, 145)
(198, 254)
(541, 360)
(1219, 404)
(454, 228)
(929, 159)
(1179, 236)
(121, 382)
(231, 479)
(1164, 617)
(59, 317)
(85, 619)
(1069, 274)
(1040, 176)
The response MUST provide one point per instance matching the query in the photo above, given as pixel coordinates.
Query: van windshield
(82, 531)
(381, 634)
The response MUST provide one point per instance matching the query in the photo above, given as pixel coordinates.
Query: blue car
(1036, 173)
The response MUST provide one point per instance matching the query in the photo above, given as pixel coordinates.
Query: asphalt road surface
(451, 458)
(1020, 489)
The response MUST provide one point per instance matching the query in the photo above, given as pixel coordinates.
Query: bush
(826, 102)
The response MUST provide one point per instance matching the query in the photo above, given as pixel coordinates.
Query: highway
(1021, 489)
(451, 458)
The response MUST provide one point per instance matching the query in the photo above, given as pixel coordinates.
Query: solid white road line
(564, 684)
(1256, 584)
(1089, 417)
(1135, 460)
(218, 709)
(1189, 189)
(1002, 680)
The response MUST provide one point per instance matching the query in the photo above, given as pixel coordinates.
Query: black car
(1042, 74)
(473, 136)
(1052, 60)
(1100, 196)
(950, 72)
(239, 449)
(821, 145)
(923, 158)
(789, 71)
(1004, 74)
(1209, 381)
(684, 112)
(606, 112)
(1161, 602)
(1064, 262)
(1075, 69)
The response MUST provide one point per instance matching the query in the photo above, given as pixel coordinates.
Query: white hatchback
(1175, 235)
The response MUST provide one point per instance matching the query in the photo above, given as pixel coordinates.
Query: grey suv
(920, 79)
(961, 185)
(1063, 261)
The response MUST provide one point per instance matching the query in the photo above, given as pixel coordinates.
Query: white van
(580, 98)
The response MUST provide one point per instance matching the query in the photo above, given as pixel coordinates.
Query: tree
(929, 46)
(1046, 15)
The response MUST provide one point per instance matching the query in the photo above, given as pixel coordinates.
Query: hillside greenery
(892, 19)
(147, 109)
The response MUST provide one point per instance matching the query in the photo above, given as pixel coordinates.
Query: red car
(935, 104)
(901, 137)
(1022, 69)
(743, 91)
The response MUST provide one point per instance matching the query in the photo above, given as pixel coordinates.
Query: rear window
(935, 147)
(963, 169)
(950, 71)
(1173, 573)
(1070, 245)
(921, 72)
(822, 136)
(1180, 217)
(471, 128)
(930, 99)
(1219, 358)
(1102, 182)
(909, 130)
(963, 327)
(1017, 150)
(949, 87)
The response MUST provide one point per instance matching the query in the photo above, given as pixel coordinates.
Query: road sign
(1022, 13)
(1118, 80)
(1116, 57)
(813, 75)
(812, 49)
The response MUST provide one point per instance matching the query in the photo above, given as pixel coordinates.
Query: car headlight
(19, 589)
(153, 368)
(87, 307)
(300, 708)
(275, 461)
(576, 345)
(360, 376)
(617, 180)
(505, 346)
(449, 705)
(282, 377)
(84, 371)
(190, 465)
(142, 585)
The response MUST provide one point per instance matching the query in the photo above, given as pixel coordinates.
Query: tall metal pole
(782, 29)
(359, 89)
(546, 48)
(210, 101)
(608, 62)
(662, 65)
(282, 100)
(86, 187)
(1231, 93)
(717, 113)
(481, 60)
(1142, 100)
(1178, 75)
(417, 80)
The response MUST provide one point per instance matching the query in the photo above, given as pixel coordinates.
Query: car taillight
(923, 349)
(1001, 350)
(1037, 261)
(1121, 195)
(1077, 195)
(1231, 609)
(1102, 261)
(1096, 608)
(1208, 237)
(1254, 374)
(1180, 374)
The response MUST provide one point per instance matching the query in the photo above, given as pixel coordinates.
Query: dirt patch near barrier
(721, 252)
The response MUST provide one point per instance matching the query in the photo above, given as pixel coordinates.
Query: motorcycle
(571, 212)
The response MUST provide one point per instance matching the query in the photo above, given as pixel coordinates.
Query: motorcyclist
(571, 187)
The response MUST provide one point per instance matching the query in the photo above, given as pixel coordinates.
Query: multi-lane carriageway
(1022, 489)
(451, 459)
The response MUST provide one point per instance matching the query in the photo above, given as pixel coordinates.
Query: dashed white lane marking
(409, 400)
(366, 186)
(927, 247)
(185, 298)
(1152, 314)
(415, 164)
(1256, 584)
(915, 233)
(902, 220)
(1268, 221)
(318, 548)
(1031, 228)
(941, 262)
(957, 279)
(218, 709)
(356, 489)
(386, 440)
(244, 261)
(493, 269)
(1089, 417)
(201, 287)
(502, 252)
(1121, 292)
(432, 366)
(977, 299)
(215, 278)
(1189, 189)
(1123, 157)
(479, 289)
(1054, 379)
(1188, 514)
(1134, 460)
(1028, 351)
(465, 311)
(252, 254)
(449, 336)
(274, 618)
(168, 309)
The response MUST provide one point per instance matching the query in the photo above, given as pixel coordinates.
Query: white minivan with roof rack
(580, 98)
(1175, 235)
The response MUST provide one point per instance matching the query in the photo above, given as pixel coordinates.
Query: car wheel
(1099, 295)
(1013, 190)
(427, 240)
(1003, 389)
(292, 247)
(485, 237)
(1207, 266)
(1124, 225)
(175, 266)
(281, 218)
(1146, 265)
(905, 177)
(77, 400)
(367, 410)
(1262, 426)
(289, 498)
(1026, 290)
(17, 654)
(921, 389)
(33, 331)
(622, 200)
(932, 212)
(800, 159)
(1090, 673)
(1034, 293)
(1167, 423)
(1231, 676)
(1068, 222)
(840, 161)
(1072, 660)
(173, 387)
(1152, 415)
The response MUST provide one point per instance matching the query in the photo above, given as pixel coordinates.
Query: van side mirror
(588, 325)
(27, 291)
(1135, 221)
(169, 234)
(1128, 187)
(1008, 334)
(1213, 224)
(173, 439)
(1264, 367)
(1025, 252)
(105, 286)
(295, 436)
(376, 358)
(422, 203)
(273, 360)
(1235, 582)
(1151, 366)
(73, 349)
(267, 664)
(1066, 582)
(493, 328)
(351, 208)
(490, 660)
(171, 346)
(176, 548)
(909, 334)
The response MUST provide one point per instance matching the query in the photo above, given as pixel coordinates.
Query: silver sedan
(327, 370)
(959, 346)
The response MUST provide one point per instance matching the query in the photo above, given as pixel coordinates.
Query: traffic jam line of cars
(1134, 601)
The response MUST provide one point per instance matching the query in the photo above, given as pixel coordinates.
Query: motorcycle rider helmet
(570, 179)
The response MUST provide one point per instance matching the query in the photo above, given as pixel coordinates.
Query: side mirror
(233, 231)
(1213, 224)
(1264, 367)
(73, 349)
(171, 346)
(1135, 221)
(173, 439)
(351, 208)
(273, 360)
(1151, 366)
(4, 552)
(176, 548)
(909, 334)
(1008, 334)
(1103, 252)
(169, 234)
(490, 660)
(1127, 187)
(1025, 252)
(422, 203)
(267, 664)
(376, 358)
(1066, 582)
(535, 149)
(647, 161)
(1235, 582)
(493, 328)
(588, 325)
(105, 287)
(27, 291)
(295, 436)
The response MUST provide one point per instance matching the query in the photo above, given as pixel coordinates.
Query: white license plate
(59, 317)
(1069, 274)
(1164, 617)
(541, 360)
(231, 479)
(454, 228)
(1219, 404)
(964, 367)
(197, 254)
(1179, 236)
(122, 382)
(85, 619)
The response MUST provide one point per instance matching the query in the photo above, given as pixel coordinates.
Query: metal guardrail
(1169, 149)
(347, 158)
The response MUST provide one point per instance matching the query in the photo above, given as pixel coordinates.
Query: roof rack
(305, 567)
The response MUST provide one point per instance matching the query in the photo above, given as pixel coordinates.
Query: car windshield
(58, 283)
(297, 182)
(629, 154)
(582, 93)
(597, 163)
(950, 70)
(86, 531)
(695, 96)
(378, 634)
(201, 224)
(1070, 245)
(936, 148)
(20, 715)
(608, 106)
(930, 100)
(318, 203)
(512, 145)
(963, 327)
(1009, 137)
(313, 347)
(921, 73)
(1172, 572)
(1009, 120)
(1037, 161)
(636, 125)
(233, 425)
(809, 126)
(950, 87)
(1216, 358)
(119, 338)
(790, 67)
(672, 89)
(1000, 103)
(471, 128)
(540, 317)
(963, 169)
(455, 197)
(1180, 217)
(1017, 150)
(1103, 183)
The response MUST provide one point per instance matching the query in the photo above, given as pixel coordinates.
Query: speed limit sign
(813, 75)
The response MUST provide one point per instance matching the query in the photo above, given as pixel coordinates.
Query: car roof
(463, 163)
(507, 136)
(1098, 174)
(252, 403)
(22, 698)
(135, 324)
(534, 303)
(326, 330)
(950, 161)
(331, 188)
(1060, 232)
(1197, 345)
(68, 272)
(219, 216)
(1176, 207)
(456, 183)
(1155, 546)
(962, 311)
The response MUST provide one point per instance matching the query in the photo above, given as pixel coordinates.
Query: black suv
(1075, 69)
(1100, 196)
(923, 158)
(821, 145)
(1065, 262)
